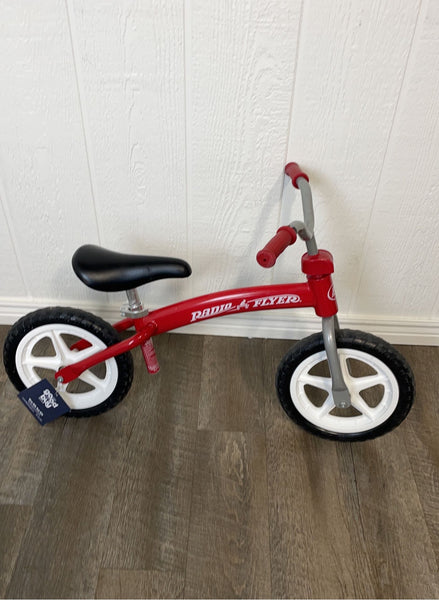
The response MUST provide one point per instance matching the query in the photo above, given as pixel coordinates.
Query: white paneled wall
(163, 126)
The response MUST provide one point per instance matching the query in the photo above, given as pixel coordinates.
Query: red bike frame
(317, 292)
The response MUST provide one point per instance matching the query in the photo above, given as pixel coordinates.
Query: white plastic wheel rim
(321, 417)
(26, 363)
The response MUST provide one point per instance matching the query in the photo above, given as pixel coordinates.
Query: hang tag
(44, 402)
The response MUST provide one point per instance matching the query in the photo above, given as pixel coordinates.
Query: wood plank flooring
(198, 486)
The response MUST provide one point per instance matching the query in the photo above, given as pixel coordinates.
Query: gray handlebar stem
(308, 211)
(305, 229)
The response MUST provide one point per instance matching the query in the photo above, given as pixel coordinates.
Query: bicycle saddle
(109, 271)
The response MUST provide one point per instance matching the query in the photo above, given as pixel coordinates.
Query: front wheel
(379, 380)
(42, 342)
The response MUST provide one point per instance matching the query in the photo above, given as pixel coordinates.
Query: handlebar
(294, 171)
(284, 237)
(287, 235)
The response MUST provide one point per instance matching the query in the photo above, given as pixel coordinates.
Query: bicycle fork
(318, 267)
(340, 392)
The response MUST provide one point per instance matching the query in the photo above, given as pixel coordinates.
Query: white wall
(163, 126)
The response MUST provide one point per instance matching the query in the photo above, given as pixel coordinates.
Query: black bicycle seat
(109, 271)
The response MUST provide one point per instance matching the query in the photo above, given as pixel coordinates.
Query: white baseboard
(285, 324)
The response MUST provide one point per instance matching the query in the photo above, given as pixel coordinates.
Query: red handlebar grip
(284, 237)
(294, 171)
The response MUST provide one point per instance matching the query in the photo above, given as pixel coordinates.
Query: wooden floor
(199, 486)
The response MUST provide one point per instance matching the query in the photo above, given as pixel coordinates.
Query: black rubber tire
(78, 318)
(357, 340)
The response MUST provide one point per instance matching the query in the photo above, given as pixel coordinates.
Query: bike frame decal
(241, 300)
(245, 305)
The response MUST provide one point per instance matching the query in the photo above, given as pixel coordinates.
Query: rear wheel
(44, 341)
(379, 380)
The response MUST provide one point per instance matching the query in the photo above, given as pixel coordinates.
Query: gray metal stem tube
(308, 212)
(305, 228)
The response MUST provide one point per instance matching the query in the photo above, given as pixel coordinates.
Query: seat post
(134, 301)
(134, 309)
